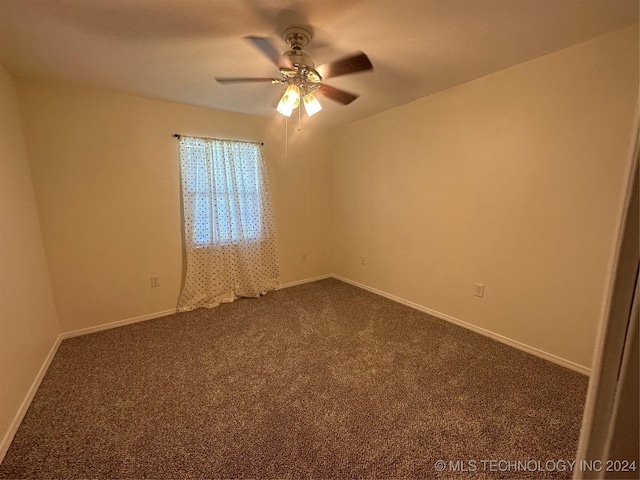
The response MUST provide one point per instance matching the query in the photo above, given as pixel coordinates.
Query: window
(228, 227)
(223, 186)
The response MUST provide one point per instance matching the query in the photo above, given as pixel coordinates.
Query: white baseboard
(306, 280)
(15, 424)
(500, 338)
(6, 441)
(119, 323)
(17, 420)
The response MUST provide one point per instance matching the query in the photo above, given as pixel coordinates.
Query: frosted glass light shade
(289, 101)
(284, 109)
(311, 104)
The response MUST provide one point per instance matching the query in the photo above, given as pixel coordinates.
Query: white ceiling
(173, 49)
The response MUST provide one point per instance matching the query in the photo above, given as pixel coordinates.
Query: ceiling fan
(299, 74)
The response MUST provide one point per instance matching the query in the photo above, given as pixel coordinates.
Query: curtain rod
(177, 135)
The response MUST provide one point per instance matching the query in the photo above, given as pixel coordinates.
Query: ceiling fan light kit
(299, 74)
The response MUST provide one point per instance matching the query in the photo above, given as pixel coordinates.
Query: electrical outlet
(363, 260)
(478, 290)
(304, 257)
(155, 280)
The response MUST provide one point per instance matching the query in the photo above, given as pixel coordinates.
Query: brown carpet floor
(322, 380)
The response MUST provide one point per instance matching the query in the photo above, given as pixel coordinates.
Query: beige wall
(513, 181)
(28, 322)
(106, 177)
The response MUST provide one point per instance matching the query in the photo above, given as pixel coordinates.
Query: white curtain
(228, 225)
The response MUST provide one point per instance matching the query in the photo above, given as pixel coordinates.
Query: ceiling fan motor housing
(298, 57)
(303, 67)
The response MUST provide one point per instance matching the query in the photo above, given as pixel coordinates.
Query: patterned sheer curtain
(228, 225)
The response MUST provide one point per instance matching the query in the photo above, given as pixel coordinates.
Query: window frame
(224, 195)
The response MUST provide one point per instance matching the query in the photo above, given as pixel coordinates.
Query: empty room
(319, 239)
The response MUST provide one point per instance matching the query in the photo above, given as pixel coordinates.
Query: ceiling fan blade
(340, 96)
(266, 47)
(246, 80)
(352, 64)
